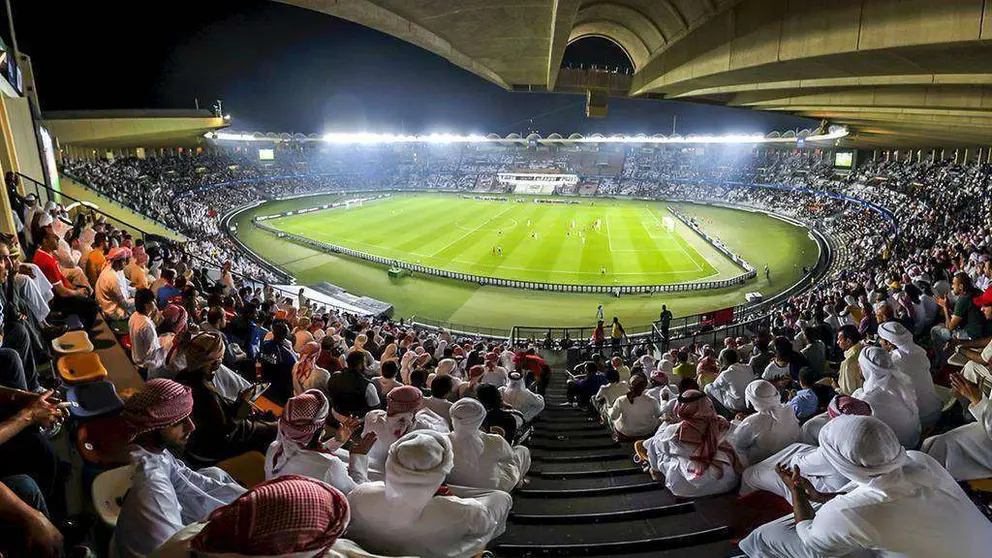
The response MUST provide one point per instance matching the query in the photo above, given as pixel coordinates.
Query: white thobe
(146, 350)
(729, 386)
(607, 394)
(316, 380)
(377, 421)
(42, 283)
(916, 512)
(500, 466)
(34, 298)
(966, 451)
(166, 495)
(441, 407)
(496, 377)
(763, 434)
(916, 366)
(637, 419)
(179, 547)
(812, 464)
(458, 526)
(529, 404)
(889, 408)
(672, 458)
(113, 293)
(337, 468)
(812, 427)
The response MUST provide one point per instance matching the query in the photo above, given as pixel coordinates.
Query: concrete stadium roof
(128, 128)
(900, 73)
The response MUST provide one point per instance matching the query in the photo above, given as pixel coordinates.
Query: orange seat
(78, 368)
(248, 468)
(265, 404)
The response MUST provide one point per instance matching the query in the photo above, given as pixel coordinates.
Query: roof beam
(563, 14)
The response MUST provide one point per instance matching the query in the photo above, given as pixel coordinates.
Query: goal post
(668, 223)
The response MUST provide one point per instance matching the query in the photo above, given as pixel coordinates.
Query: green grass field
(758, 238)
(599, 242)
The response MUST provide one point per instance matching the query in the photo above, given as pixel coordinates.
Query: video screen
(266, 154)
(844, 159)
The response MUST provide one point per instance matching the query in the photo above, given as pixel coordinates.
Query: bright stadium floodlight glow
(369, 138)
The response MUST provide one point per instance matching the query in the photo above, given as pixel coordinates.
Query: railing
(123, 203)
(491, 332)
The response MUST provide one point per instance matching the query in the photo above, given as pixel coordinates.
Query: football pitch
(594, 242)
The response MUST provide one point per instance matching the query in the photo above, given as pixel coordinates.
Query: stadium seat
(248, 468)
(93, 399)
(108, 492)
(77, 368)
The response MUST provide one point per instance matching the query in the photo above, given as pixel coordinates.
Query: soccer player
(602, 270)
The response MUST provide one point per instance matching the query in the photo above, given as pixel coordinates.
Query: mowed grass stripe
(459, 234)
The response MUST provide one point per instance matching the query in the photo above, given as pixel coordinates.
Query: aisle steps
(586, 497)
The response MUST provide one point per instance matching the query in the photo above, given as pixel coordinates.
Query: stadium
(714, 280)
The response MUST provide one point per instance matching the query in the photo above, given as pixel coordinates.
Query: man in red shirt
(68, 298)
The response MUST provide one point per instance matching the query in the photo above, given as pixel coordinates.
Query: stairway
(586, 497)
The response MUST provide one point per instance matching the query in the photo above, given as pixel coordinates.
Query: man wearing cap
(69, 298)
(977, 354)
(911, 360)
(287, 516)
(113, 291)
(413, 512)
(165, 494)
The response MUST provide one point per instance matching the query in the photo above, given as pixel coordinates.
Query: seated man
(68, 299)
(405, 412)
(899, 504)
(499, 416)
(635, 415)
(911, 359)
(299, 449)
(15, 335)
(693, 453)
(277, 358)
(581, 387)
(966, 451)
(413, 513)
(113, 291)
(483, 460)
(166, 495)
(773, 427)
(290, 516)
(516, 395)
(806, 403)
(147, 351)
(225, 430)
(438, 402)
(728, 388)
(806, 456)
(609, 392)
(890, 394)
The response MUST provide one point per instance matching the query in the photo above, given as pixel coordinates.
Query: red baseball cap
(984, 299)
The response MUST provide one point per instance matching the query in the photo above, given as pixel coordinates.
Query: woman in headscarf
(693, 454)
(899, 504)
(911, 359)
(306, 374)
(890, 394)
(220, 433)
(764, 433)
(405, 412)
(412, 512)
(299, 450)
(634, 415)
(516, 395)
(287, 517)
(483, 460)
(806, 456)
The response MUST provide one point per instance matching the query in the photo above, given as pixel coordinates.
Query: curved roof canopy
(899, 72)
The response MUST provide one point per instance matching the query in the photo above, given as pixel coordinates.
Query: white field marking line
(464, 236)
(679, 244)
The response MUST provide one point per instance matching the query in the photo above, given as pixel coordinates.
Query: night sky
(279, 68)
